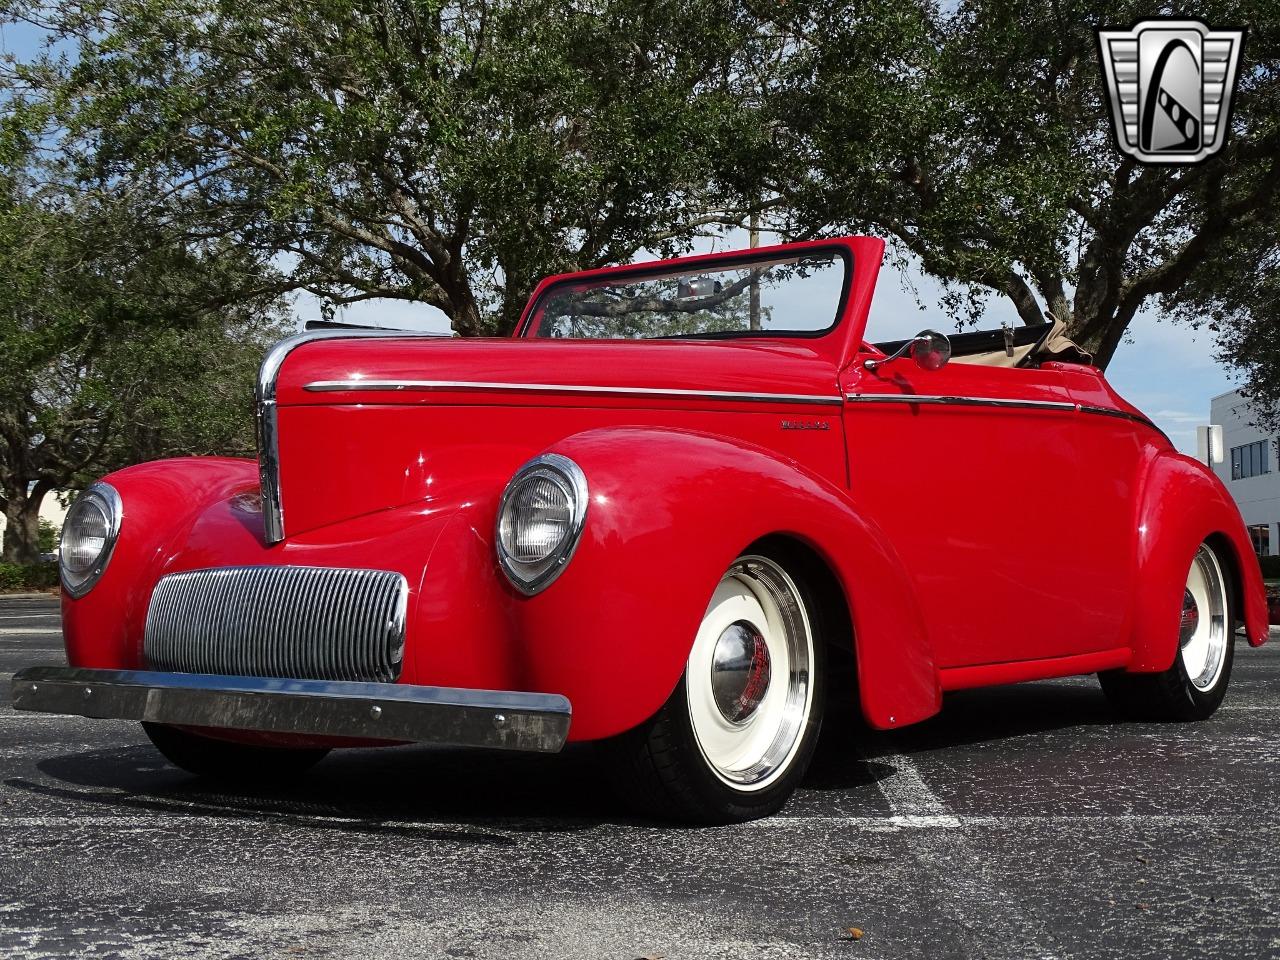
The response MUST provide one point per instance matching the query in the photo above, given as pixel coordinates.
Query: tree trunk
(514, 299)
(466, 318)
(22, 525)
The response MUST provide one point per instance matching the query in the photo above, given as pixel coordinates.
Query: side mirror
(930, 350)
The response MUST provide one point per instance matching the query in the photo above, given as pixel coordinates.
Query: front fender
(162, 501)
(669, 512)
(1183, 504)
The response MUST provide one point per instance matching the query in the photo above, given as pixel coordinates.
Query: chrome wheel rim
(748, 679)
(1202, 637)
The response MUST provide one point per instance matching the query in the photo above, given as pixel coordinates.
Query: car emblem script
(805, 425)
(1170, 83)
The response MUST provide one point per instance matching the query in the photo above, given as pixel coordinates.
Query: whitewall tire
(1194, 685)
(736, 736)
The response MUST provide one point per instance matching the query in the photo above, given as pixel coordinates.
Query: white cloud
(399, 314)
(1180, 416)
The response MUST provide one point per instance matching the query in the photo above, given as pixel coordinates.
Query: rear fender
(669, 512)
(1183, 504)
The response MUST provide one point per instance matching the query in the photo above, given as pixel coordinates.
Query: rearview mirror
(930, 350)
(697, 287)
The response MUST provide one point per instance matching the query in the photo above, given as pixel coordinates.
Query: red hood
(368, 424)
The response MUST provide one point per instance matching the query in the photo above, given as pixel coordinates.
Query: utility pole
(755, 282)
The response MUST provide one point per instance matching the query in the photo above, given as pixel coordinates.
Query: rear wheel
(1193, 687)
(231, 762)
(735, 737)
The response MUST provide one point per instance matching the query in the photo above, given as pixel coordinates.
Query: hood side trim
(426, 386)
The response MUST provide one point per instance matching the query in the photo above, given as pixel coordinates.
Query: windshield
(787, 296)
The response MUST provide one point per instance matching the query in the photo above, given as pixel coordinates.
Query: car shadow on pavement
(465, 795)
(994, 714)
(414, 791)
(410, 790)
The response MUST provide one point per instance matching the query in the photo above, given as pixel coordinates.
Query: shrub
(42, 576)
(28, 576)
(47, 540)
(12, 576)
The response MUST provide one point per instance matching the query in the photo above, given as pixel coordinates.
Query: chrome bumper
(502, 720)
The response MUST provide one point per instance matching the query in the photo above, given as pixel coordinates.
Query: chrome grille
(305, 623)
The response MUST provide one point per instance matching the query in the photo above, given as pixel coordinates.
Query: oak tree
(113, 349)
(978, 138)
(447, 153)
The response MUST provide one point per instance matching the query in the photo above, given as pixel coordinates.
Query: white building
(1251, 470)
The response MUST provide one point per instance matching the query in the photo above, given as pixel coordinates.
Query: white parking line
(1261, 707)
(896, 823)
(30, 631)
(18, 717)
(974, 900)
(907, 793)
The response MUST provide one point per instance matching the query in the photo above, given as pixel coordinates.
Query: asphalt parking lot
(1022, 822)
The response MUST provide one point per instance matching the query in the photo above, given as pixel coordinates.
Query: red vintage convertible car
(661, 516)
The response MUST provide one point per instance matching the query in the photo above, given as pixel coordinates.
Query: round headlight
(540, 520)
(88, 535)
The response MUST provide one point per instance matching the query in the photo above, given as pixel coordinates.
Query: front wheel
(735, 737)
(229, 762)
(1193, 687)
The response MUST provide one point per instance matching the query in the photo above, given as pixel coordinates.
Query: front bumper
(503, 720)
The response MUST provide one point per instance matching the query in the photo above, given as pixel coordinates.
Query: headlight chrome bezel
(105, 497)
(533, 577)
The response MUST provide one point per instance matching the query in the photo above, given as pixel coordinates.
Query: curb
(28, 596)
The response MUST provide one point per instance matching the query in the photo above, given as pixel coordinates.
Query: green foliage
(27, 576)
(12, 577)
(455, 153)
(47, 536)
(1239, 301)
(977, 137)
(119, 344)
(445, 153)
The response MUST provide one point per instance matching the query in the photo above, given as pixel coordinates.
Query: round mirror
(931, 350)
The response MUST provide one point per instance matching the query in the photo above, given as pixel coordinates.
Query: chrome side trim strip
(1006, 403)
(961, 401)
(427, 386)
(267, 421)
(1124, 415)
(498, 719)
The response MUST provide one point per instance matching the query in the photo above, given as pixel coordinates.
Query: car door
(972, 472)
(1116, 444)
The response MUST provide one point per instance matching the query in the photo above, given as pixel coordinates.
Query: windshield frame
(532, 321)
